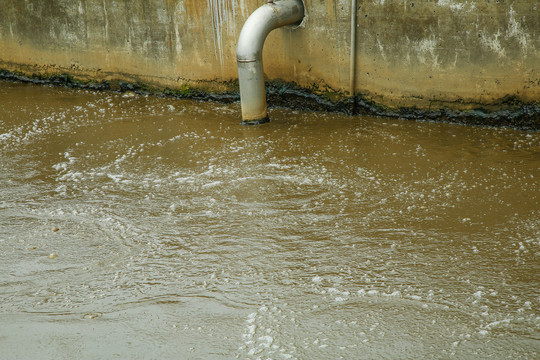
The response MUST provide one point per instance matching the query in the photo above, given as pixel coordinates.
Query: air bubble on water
(395, 293)
(61, 189)
(483, 332)
(333, 291)
(266, 340)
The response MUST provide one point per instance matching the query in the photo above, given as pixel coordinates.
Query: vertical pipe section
(352, 74)
(274, 14)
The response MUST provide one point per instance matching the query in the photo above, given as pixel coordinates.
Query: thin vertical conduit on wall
(352, 74)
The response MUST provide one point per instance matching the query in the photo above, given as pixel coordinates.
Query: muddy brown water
(148, 228)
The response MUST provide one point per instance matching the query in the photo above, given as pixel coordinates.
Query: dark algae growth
(507, 112)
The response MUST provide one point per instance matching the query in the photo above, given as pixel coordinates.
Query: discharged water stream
(139, 227)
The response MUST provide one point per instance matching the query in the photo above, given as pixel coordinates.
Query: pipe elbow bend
(261, 22)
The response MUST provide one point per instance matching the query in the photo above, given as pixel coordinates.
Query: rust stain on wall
(195, 9)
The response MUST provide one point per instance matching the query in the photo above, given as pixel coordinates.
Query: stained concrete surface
(444, 54)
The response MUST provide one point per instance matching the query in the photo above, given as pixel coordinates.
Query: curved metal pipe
(274, 14)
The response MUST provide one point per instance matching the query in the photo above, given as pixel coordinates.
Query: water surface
(140, 227)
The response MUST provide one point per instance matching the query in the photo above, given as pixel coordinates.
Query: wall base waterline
(507, 112)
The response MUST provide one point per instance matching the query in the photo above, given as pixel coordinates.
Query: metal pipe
(274, 14)
(352, 74)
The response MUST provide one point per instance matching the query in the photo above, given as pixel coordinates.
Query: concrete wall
(422, 54)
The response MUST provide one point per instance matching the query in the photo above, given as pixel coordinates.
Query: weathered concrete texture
(455, 54)
(448, 51)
